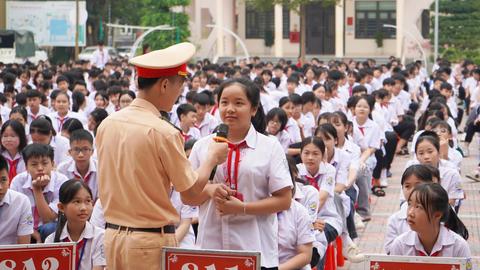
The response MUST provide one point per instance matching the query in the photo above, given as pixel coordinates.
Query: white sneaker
(352, 254)
(358, 222)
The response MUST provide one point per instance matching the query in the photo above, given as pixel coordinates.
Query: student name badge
(330, 180)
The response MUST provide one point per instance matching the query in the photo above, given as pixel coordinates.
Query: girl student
(63, 113)
(239, 207)
(295, 232)
(74, 210)
(447, 152)
(13, 140)
(20, 114)
(344, 179)
(427, 150)
(321, 175)
(436, 231)
(276, 122)
(41, 131)
(366, 134)
(292, 127)
(397, 223)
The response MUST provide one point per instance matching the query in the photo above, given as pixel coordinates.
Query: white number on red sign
(210, 267)
(49, 263)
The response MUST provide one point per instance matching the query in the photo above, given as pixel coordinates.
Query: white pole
(278, 30)
(436, 31)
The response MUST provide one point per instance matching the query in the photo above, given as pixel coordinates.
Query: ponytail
(259, 120)
(62, 220)
(454, 223)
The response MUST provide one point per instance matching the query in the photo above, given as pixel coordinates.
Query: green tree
(458, 28)
(155, 13)
(298, 6)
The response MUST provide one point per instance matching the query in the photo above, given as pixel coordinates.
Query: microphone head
(222, 131)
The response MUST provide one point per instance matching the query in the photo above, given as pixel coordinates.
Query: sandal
(378, 191)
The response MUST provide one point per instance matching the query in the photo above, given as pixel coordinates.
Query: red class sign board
(59, 256)
(193, 259)
(384, 262)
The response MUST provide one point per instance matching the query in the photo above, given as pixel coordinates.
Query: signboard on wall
(52, 22)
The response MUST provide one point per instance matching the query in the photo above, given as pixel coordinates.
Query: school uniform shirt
(379, 118)
(42, 111)
(352, 149)
(16, 164)
(16, 216)
(57, 121)
(343, 93)
(325, 180)
(69, 169)
(284, 139)
(5, 113)
(368, 136)
(97, 218)
(396, 225)
(451, 123)
(185, 211)
(192, 134)
(450, 178)
(327, 106)
(262, 170)
(90, 244)
(449, 244)
(23, 183)
(308, 122)
(207, 126)
(267, 102)
(414, 141)
(294, 229)
(60, 146)
(294, 130)
(405, 99)
(452, 105)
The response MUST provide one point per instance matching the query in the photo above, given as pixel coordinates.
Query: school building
(351, 28)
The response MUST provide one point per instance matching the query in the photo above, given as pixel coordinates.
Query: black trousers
(390, 147)
(377, 171)
(471, 129)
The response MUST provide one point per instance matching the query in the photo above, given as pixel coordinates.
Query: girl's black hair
(98, 115)
(67, 193)
(439, 106)
(103, 95)
(78, 98)
(44, 125)
(292, 167)
(296, 99)
(422, 172)
(315, 141)
(19, 129)
(252, 91)
(22, 111)
(429, 136)
(63, 93)
(128, 92)
(281, 116)
(434, 198)
(323, 116)
(283, 101)
(71, 125)
(327, 130)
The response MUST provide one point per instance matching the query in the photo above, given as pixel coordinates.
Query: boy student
(35, 109)
(292, 85)
(446, 90)
(187, 116)
(16, 212)
(206, 123)
(63, 83)
(41, 185)
(82, 166)
(307, 119)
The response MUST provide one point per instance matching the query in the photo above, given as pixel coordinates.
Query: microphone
(221, 136)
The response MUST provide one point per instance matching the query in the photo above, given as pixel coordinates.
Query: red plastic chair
(340, 258)
(330, 258)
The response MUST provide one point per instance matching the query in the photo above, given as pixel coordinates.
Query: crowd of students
(309, 144)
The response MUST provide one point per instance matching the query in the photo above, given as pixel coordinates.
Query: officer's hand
(218, 152)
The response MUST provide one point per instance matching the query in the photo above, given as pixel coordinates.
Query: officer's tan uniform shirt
(139, 155)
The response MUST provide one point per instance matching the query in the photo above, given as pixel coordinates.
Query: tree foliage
(458, 29)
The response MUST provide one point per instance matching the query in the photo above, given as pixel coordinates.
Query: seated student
(427, 150)
(75, 207)
(397, 223)
(35, 109)
(114, 93)
(292, 127)
(41, 184)
(307, 119)
(184, 231)
(320, 93)
(82, 166)
(63, 113)
(13, 140)
(20, 114)
(446, 90)
(293, 86)
(16, 226)
(321, 175)
(297, 113)
(295, 233)
(331, 95)
(187, 116)
(206, 123)
(447, 152)
(276, 122)
(101, 101)
(95, 119)
(70, 126)
(436, 231)
(430, 118)
(41, 131)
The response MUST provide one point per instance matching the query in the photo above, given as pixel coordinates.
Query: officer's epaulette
(164, 116)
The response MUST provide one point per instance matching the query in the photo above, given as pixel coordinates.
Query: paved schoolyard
(371, 238)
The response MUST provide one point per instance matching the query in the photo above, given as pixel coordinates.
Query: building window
(257, 23)
(370, 16)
